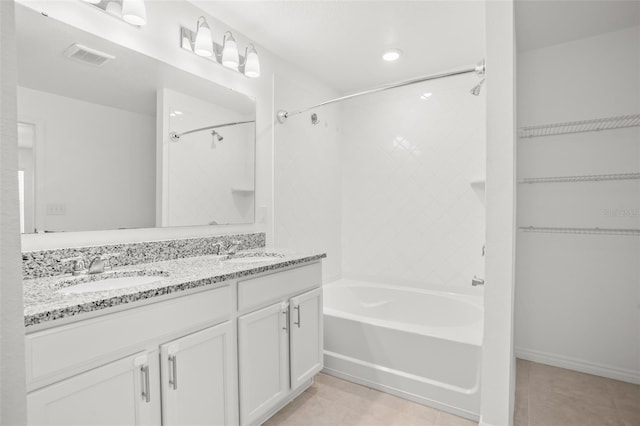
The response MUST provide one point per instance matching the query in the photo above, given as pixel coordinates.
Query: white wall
(12, 357)
(498, 361)
(410, 213)
(577, 296)
(307, 175)
(201, 174)
(84, 145)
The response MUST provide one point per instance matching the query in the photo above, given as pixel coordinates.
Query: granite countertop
(44, 302)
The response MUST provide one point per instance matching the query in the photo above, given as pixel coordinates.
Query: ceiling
(542, 23)
(129, 82)
(341, 42)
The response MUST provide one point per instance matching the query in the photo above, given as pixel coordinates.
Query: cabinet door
(263, 345)
(119, 393)
(306, 337)
(197, 375)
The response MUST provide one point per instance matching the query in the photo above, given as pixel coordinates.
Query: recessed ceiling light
(425, 96)
(392, 55)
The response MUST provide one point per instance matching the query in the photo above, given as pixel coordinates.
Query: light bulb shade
(134, 12)
(203, 45)
(93, 1)
(230, 57)
(252, 62)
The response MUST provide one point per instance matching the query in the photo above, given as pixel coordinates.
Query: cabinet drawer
(261, 291)
(58, 352)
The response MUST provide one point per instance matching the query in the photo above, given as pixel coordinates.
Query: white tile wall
(201, 174)
(409, 213)
(307, 210)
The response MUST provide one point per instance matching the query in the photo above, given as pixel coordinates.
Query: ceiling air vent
(86, 55)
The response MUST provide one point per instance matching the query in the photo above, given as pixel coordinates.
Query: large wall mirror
(94, 128)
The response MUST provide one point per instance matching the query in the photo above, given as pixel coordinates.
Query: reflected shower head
(475, 91)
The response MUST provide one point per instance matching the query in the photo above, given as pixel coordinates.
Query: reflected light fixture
(392, 55)
(251, 62)
(203, 45)
(426, 96)
(134, 12)
(230, 56)
(114, 8)
(92, 1)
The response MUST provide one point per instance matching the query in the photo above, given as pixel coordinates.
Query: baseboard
(579, 365)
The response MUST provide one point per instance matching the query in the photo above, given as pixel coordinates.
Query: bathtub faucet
(477, 281)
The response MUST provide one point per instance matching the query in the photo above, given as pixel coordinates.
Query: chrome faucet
(101, 263)
(233, 247)
(219, 248)
(78, 265)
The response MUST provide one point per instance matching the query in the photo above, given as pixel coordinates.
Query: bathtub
(422, 345)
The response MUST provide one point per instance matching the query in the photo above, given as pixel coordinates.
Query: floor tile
(586, 388)
(335, 402)
(561, 410)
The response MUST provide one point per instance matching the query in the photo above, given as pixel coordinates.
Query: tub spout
(477, 281)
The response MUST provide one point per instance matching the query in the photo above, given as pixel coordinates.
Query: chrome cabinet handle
(146, 389)
(173, 381)
(297, 308)
(285, 312)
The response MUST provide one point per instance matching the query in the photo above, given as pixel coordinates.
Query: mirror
(95, 150)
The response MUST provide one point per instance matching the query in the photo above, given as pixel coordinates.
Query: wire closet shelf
(584, 178)
(593, 125)
(588, 231)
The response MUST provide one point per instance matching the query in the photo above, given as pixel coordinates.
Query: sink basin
(250, 259)
(111, 284)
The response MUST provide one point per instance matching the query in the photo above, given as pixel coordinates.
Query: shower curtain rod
(479, 69)
(175, 137)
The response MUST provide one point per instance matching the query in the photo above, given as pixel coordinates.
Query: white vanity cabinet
(197, 375)
(163, 363)
(118, 393)
(279, 345)
(230, 355)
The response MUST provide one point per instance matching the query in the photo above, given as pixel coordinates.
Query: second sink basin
(111, 284)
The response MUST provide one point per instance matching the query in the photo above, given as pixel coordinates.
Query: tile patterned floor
(551, 396)
(335, 402)
(545, 396)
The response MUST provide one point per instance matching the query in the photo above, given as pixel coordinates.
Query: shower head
(217, 135)
(475, 91)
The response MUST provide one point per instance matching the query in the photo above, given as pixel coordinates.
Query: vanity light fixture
(203, 45)
(251, 62)
(426, 96)
(93, 1)
(230, 55)
(201, 42)
(134, 12)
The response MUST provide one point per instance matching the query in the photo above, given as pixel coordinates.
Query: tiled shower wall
(412, 185)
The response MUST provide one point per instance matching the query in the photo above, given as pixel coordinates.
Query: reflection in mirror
(95, 150)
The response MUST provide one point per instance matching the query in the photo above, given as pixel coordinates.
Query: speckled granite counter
(43, 302)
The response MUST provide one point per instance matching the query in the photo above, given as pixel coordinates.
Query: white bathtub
(419, 344)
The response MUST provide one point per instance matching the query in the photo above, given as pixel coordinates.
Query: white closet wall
(578, 291)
